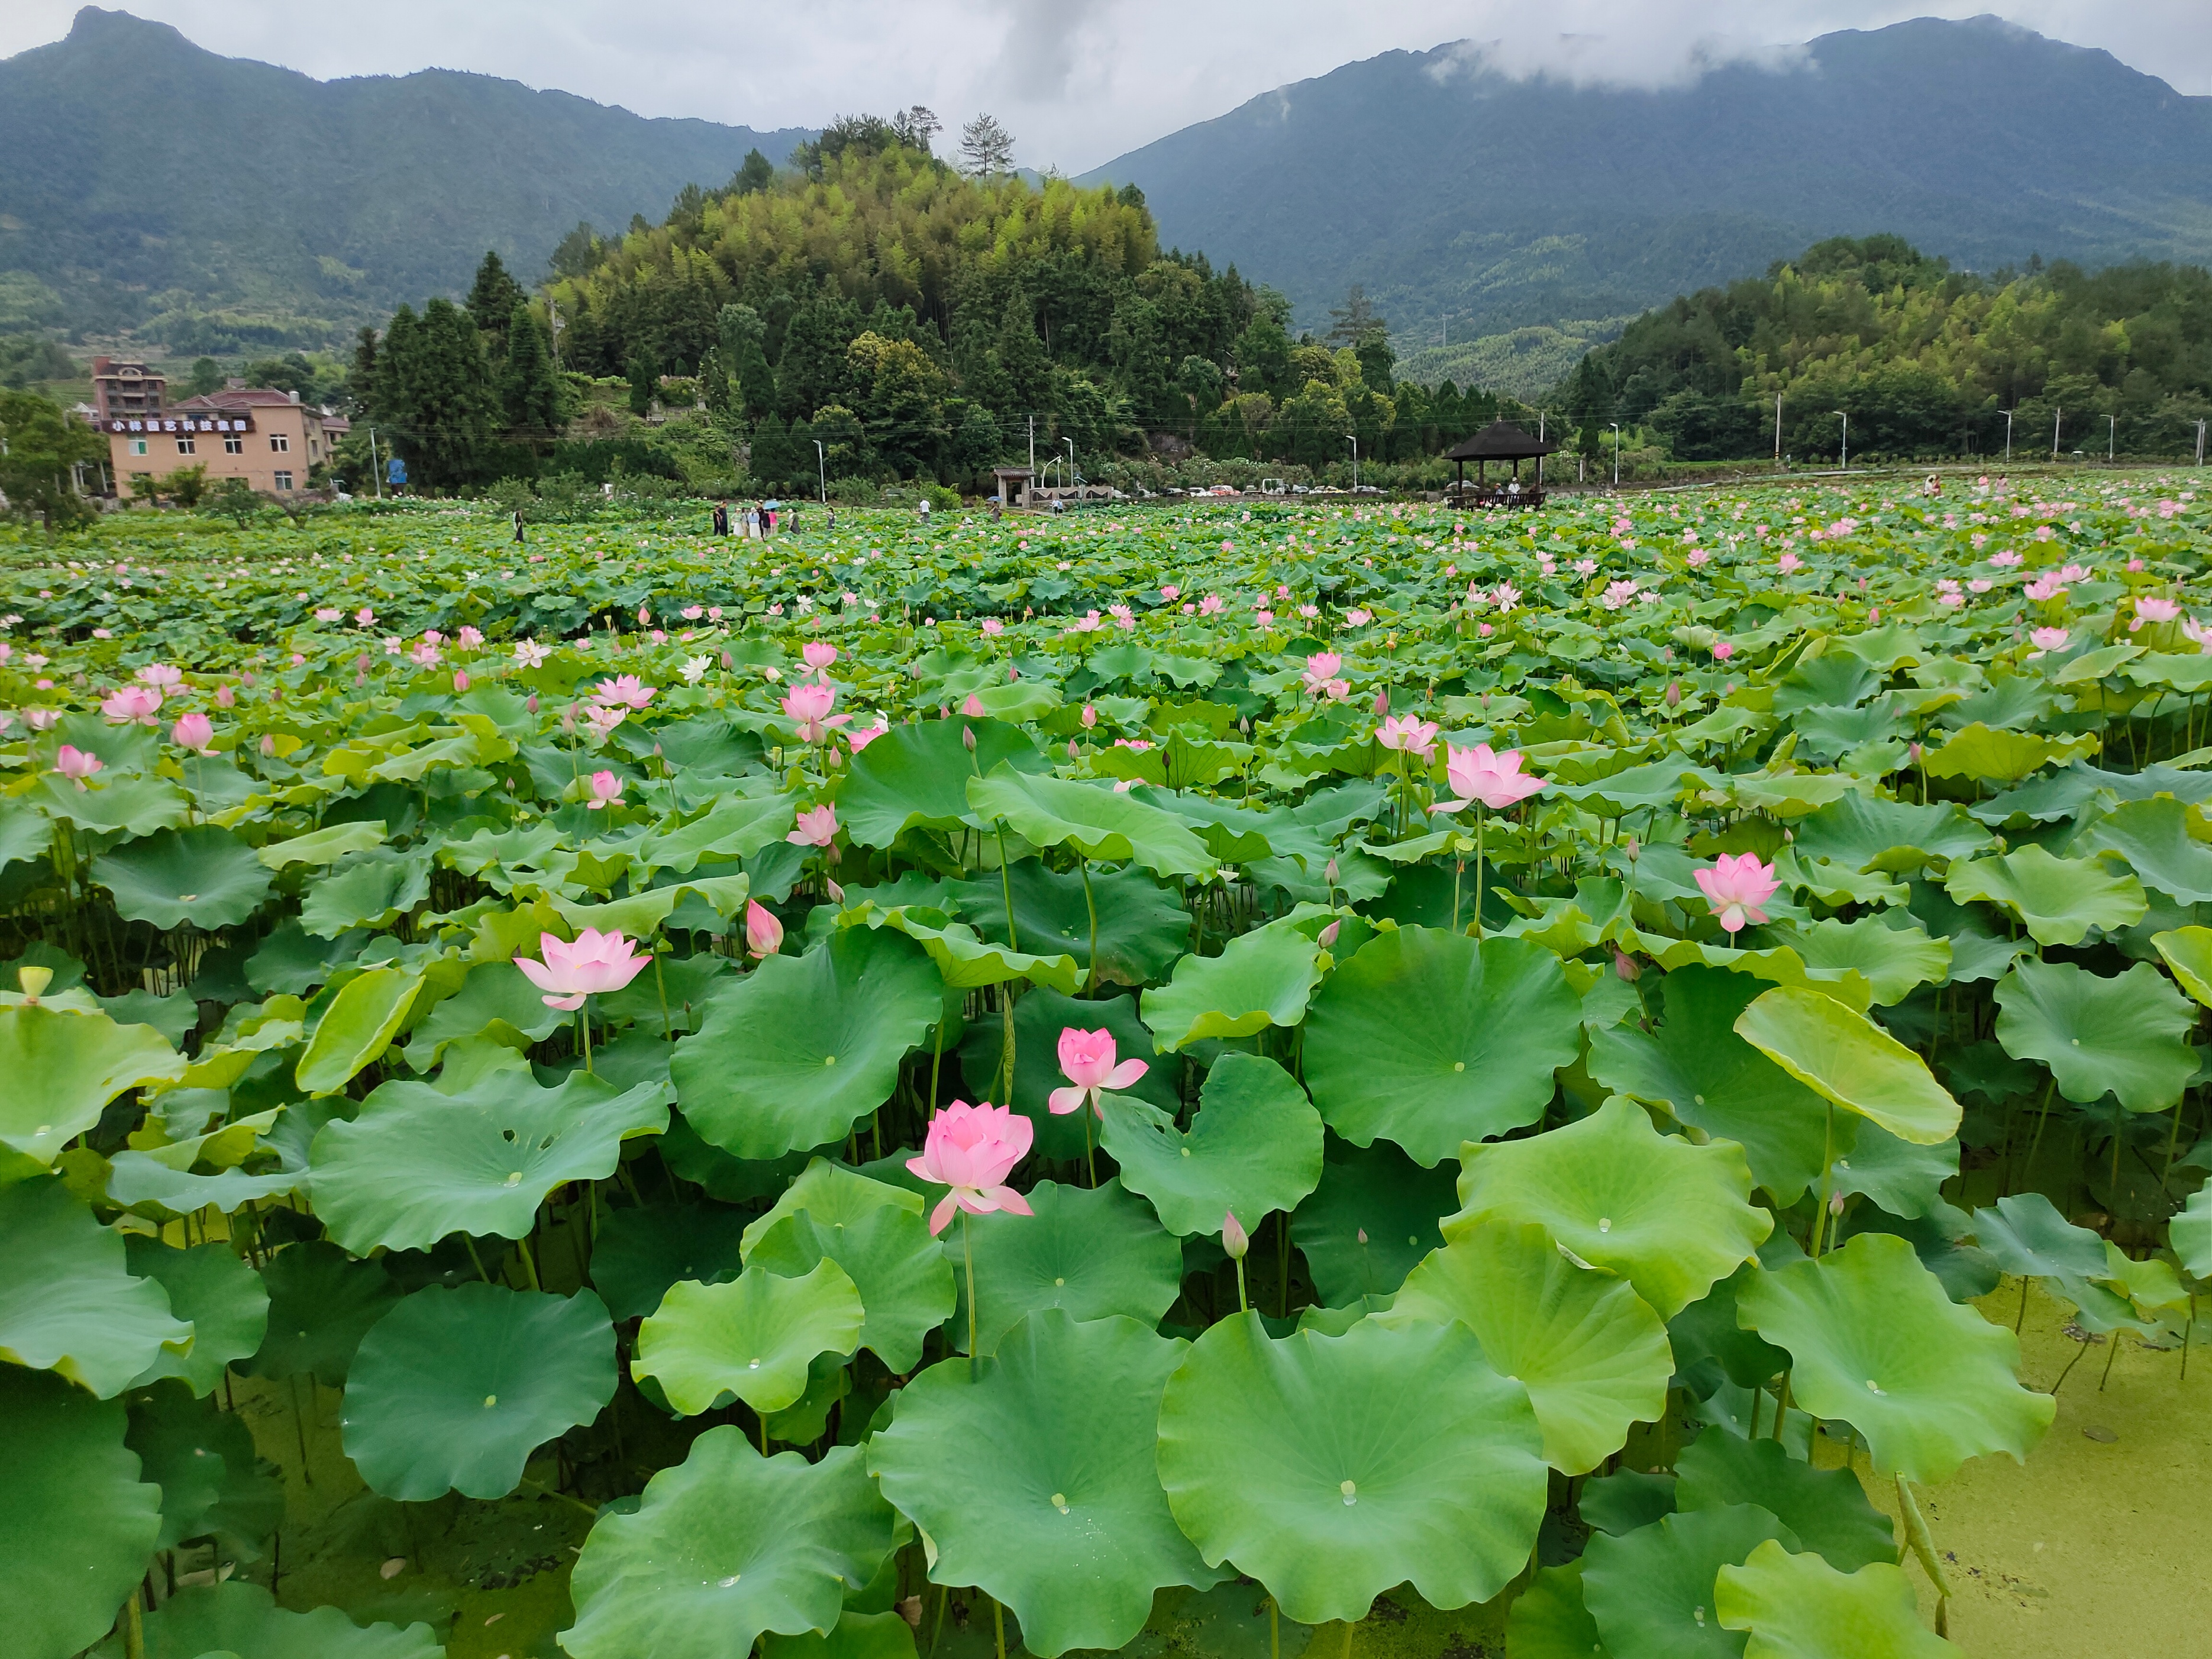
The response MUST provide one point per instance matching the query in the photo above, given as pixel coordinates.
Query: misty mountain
(1461, 197)
(218, 203)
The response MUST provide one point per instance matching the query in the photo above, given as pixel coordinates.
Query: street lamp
(2112, 438)
(1847, 439)
(822, 469)
(2057, 421)
(1353, 440)
(1616, 453)
(2009, 414)
(1070, 442)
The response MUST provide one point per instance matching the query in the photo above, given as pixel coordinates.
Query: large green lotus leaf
(223, 1298)
(1142, 926)
(25, 832)
(1064, 1521)
(1650, 1591)
(2027, 1237)
(129, 806)
(734, 827)
(1253, 1147)
(1862, 833)
(640, 1252)
(1669, 1218)
(725, 1547)
(453, 1389)
(2125, 1036)
(243, 1619)
(1092, 1252)
(808, 1045)
(1827, 1509)
(1707, 1330)
(751, 1337)
(1549, 1619)
(1892, 955)
(904, 1281)
(324, 846)
(967, 960)
(1374, 1215)
(358, 1025)
(419, 1163)
(321, 1304)
(2187, 953)
(68, 1301)
(1874, 1341)
(1592, 1355)
(915, 776)
(1623, 1501)
(856, 1635)
(1332, 1468)
(203, 1460)
(1904, 1179)
(1798, 1607)
(494, 1001)
(205, 875)
(1429, 1040)
(1710, 1079)
(1995, 755)
(2059, 899)
(63, 1068)
(2190, 1234)
(372, 891)
(2153, 836)
(1092, 818)
(1846, 1058)
(1261, 979)
(834, 1195)
(78, 1524)
(1039, 1018)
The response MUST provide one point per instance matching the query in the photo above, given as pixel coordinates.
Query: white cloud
(1078, 82)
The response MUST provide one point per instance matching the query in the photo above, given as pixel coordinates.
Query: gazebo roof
(1501, 440)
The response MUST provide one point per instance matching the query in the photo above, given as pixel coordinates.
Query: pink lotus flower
(2044, 587)
(819, 654)
(1170, 592)
(194, 731)
(764, 933)
(1089, 716)
(1788, 561)
(2148, 609)
(328, 613)
(1359, 615)
(1699, 558)
(1737, 886)
(861, 736)
(1409, 733)
(625, 690)
(603, 719)
(131, 702)
(808, 706)
(817, 827)
(1321, 668)
(471, 637)
(529, 654)
(972, 1150)
(78, 764)
(606, 790)
(160, 675)
(2047, 639)
(596, 961)
(973, 708)
(364, 617)
(460, 681)
(1722, 651)
(41, 720)
(992, 627)
(1505, 597)
(1086, 1060)
(1495, 779)
(1210, 605)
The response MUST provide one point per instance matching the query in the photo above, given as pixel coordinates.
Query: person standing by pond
(721, 520)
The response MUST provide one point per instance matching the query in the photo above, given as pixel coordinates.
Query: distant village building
(268, 438)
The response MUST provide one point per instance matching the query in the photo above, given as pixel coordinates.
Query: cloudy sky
(1078, 81)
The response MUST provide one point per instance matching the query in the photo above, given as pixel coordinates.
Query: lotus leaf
(1374, 1215)
(452, 1389)
(1592, 1356)
(494, 1001)
(1847, 1059)
(1253, 1147)
(2060, 901)
(807, 1045)
(1091, 818)
(324, 846)
(1332, 1468)
(1039, 1018)
(1827, 1509)
(1065, 1521)
(129, 806)
(640, 1252)
(1261, 979)
(357, 1026)
(221, 1297)
(1549, 1620)
(1893, 956)
(1876, 1341)
(915, 776)
(1669, 1218)
(79, 1522)
(904, 1282)
(751, 1337)
(2124, 1036)
(63, 1068)
(1860, 832)
(1998, 755)
(419, 1163)
(1142, 928)
(2192, 1234)
(1650, 1591)
(1092, 1252)
(1429, 1040)
(854, 1636)
(725, 1546)
(372, 890)
(245, 1620)
(320, 1306)
(1621, 1502)
(203, 1460)
(68, 1301)
(1799, 1606)
(1905, 1179)
(204, 875)
(2028, 1238)
(2154, 837)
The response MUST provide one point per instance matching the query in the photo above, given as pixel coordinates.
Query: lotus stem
(474, 1258)
(1090, 1167)
(1350, 1626)
(660, 987)
(2069, 1371)
(2186, 1331)
(999, 1626)
(1274, 1630)
(1090, 978)
(1923, 1546)
(1481, 817)
(968, 1250)
(1781, 1408)
(134, 1626)
(1827, 1178)
(543, 1490)
(584, 1024)
(2111, 1353)
(529, 1262)
(300, 1425)
(1243, 1306)
(937, 1629)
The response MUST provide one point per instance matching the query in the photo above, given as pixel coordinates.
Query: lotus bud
(973, 708)
(1327, 937)
(225, 697)
(1835, 1204)
(728, 662)
(1674, 693)
(1363, 1235)
(461, 680)
(1012, 673)
(246, 680)
(1090, 715)
(530, 703)
(1916, 754)
(764, 933)
(1382, 701)
(569, 720)
(837, 893)
(1329, 872)
(34, 981)
(1072, 750)
(1626, 965)
(1234, 1239)
(268, 744)
(1632, 849)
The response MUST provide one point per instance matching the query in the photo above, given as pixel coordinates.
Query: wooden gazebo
(1501, 440)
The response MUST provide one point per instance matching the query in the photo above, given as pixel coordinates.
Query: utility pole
(1070, 442)
(1847, 439)
(2200, 443)
(2009, 414)
(822, 469)
(553, 327)
(375, 465)
(1353, 440)
(1777, 432)
(1616, 453)
(1540, 460)
(1032, 447)
(2112, 438)
(2057, 417)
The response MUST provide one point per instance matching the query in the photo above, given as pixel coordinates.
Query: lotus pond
(1229, 1081)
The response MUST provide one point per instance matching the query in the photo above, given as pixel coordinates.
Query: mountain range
(1524, 218)
(219, 204)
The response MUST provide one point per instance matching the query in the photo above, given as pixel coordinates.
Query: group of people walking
(761, 519)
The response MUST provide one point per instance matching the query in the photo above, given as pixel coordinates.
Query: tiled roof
(256, 395)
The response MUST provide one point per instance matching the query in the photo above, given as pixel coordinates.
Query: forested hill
(222, 205)
(1455, 192)
(1924, 359)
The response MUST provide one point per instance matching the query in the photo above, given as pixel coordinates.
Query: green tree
(813, 370)
(436, 394)
(576, 252)
(39, 448)
(1376, 360)
(756, 174)
(976, 442)
(644, 374)
(529, 390)
(1262, 355)
(714, 384)
(1022, 357)
(494, 296)
(903, 405)
(206, 376)
(187, 485)
(771, 453)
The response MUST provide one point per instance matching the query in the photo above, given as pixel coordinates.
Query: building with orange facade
(269, 439)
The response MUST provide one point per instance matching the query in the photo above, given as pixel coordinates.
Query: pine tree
(771, 462)
(1022, 358)
(757, 174)
(714, 383)
(644, 381)
(437, 392)
(529, 390)
(494, 297)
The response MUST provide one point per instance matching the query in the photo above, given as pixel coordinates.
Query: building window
(283, 480)
(234, 445)
(281, 442)
(137, 446)
(184, 447)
